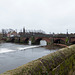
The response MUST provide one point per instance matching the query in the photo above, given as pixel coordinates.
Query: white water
(29, 47)
(5, 50)
(11, 47)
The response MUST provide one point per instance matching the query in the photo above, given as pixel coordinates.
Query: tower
(24, 30)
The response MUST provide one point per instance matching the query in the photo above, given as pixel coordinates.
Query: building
(12, 34)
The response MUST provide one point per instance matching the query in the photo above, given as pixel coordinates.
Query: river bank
(55, 46)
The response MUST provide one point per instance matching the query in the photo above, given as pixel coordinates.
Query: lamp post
(53, 37)
(67, 37)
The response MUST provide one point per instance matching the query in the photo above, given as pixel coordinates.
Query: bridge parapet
(35, 35)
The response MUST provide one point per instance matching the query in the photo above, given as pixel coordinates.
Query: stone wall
(61, 62)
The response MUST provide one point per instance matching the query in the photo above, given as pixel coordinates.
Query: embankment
(61, 62)
(54, 46)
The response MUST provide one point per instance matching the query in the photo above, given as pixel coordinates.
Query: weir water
(6, 50)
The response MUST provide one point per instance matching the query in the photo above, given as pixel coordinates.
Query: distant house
(12, 34)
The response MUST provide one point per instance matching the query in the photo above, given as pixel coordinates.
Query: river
(14, 55)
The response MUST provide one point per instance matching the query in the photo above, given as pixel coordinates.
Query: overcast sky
(48, 15)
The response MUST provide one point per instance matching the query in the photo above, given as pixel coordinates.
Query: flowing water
(14, 55)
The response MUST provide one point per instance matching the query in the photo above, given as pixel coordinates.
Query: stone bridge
(35, 39)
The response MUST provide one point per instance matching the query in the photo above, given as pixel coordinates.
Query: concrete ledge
(57, 63)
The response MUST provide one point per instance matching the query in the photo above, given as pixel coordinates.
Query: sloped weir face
(57, 63)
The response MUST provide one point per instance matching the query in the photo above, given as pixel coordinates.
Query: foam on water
(5, 50)
(29, 47)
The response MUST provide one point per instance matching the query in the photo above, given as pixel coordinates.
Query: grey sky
(48, 15)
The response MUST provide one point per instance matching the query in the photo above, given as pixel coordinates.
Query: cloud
(48, 15)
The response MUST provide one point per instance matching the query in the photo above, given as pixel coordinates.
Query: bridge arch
(17, 40)
(41, 41)
(73, 42)
(26, 41)
(60, 41)
(12, 39)
(37, 41)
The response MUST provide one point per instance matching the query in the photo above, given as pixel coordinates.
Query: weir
(30, 47)
(61, 62)
(4, 50)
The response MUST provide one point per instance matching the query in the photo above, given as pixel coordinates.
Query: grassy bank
(54, 46)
